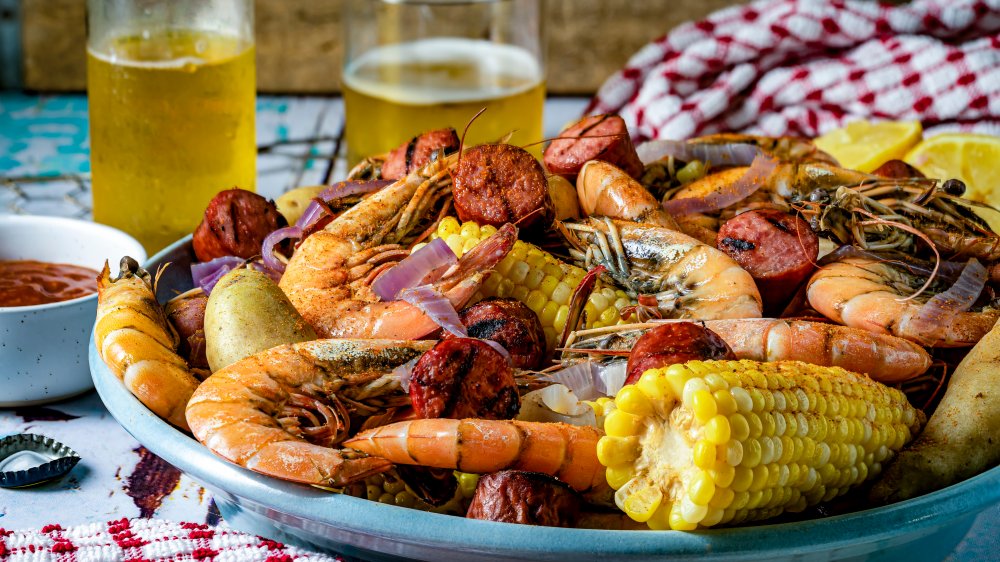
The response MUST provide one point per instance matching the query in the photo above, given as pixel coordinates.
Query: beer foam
(443, 70)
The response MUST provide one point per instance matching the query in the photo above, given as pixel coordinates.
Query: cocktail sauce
(28, 282)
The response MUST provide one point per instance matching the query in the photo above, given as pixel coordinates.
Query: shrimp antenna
(937, 255)
(461, 143)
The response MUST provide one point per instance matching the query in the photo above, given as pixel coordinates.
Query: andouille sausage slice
(417, 152)
(500, 183)
(236, 222)
(597, 137)
(779, 250)
(676, 342)
(463, 378)
(510, 323)
(528, 498)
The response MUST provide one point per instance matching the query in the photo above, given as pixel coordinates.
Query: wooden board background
(299, 49)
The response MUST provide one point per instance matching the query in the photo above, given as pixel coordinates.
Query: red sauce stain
(152, 480)
(28, 282)
(38, 413)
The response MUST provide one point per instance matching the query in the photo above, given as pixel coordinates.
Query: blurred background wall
(299, 49)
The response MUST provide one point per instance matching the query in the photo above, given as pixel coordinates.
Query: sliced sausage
(236, 222)
(779, 250)
(500, 183)
(676, 342)
(510, 323)
(528, 498)
(897, 169)
(597, 137)
(417, 152)
(463, 378)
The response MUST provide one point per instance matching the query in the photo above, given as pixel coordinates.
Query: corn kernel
(724, 402)
(641, 504)
(655, 387)
(617, 475)
(548, 315)
(722, 474)
(701, 488)
(456, 243)
(704, 454)
(448, 227)
(633, 401)
(722, 498)
(617, 450)
(742, 398)
(469, 244)
(703, 405)
(562, 316)
(520, 293)
(691, 511)
(717, 429)
(486, 231)
(739, 427)
(752, 452)
(742, 478)
(677, 520)
(562, 293)
(622, 424)
(660, 521)
(469, 229)
(536, 302)
(609, 316)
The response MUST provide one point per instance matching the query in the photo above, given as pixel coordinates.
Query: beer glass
(416, 65)
(171, 87)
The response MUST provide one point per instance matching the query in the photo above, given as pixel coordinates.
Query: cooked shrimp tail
(565, 451)
(139, 345)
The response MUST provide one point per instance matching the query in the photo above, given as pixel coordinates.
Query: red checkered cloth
(146, 540)
(803, 67)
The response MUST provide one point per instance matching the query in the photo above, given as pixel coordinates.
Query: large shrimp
(689, 279)
(282, 411)
(328, 278)
(138, 344)
(772, 184)
(568, 452)
(884, 358)
(607, 191)
(880, 296)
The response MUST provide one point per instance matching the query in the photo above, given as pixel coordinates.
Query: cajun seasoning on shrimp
(29, 282)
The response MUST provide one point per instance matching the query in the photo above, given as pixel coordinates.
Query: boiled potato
(564, 198)
(247, 313)
(960, 439)
(292, 204)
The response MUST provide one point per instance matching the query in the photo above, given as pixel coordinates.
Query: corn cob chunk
(536, 278)
(389, 488)
(720, 442)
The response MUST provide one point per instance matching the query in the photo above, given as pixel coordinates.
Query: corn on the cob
(715, 442)
(536, 278)
(389, 488)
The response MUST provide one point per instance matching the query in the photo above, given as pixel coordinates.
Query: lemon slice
(865, 146)
(968, 157)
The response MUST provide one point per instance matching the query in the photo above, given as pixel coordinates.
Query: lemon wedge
(865, 146)
(968, 157)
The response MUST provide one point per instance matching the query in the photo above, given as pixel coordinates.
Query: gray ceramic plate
(926, 528)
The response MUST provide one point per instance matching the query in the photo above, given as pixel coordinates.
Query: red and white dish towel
(803, 67)
(146, 540)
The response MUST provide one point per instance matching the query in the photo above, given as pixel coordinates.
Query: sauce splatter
(152, 480)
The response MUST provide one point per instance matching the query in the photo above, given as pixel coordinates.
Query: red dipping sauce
(27, 282)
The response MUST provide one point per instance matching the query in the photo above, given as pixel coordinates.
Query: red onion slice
(760, 170)
(728, 154)
(591, 379)
(272, 240)
(313, 211)
(500, 349)
(437, 306)
(405, 373)
(207, 274)
(415, 269)
(939, 311)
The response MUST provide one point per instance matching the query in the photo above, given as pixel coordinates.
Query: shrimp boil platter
(675, 336)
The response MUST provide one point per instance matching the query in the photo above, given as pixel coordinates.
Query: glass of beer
(171, 87)
(415, 65)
